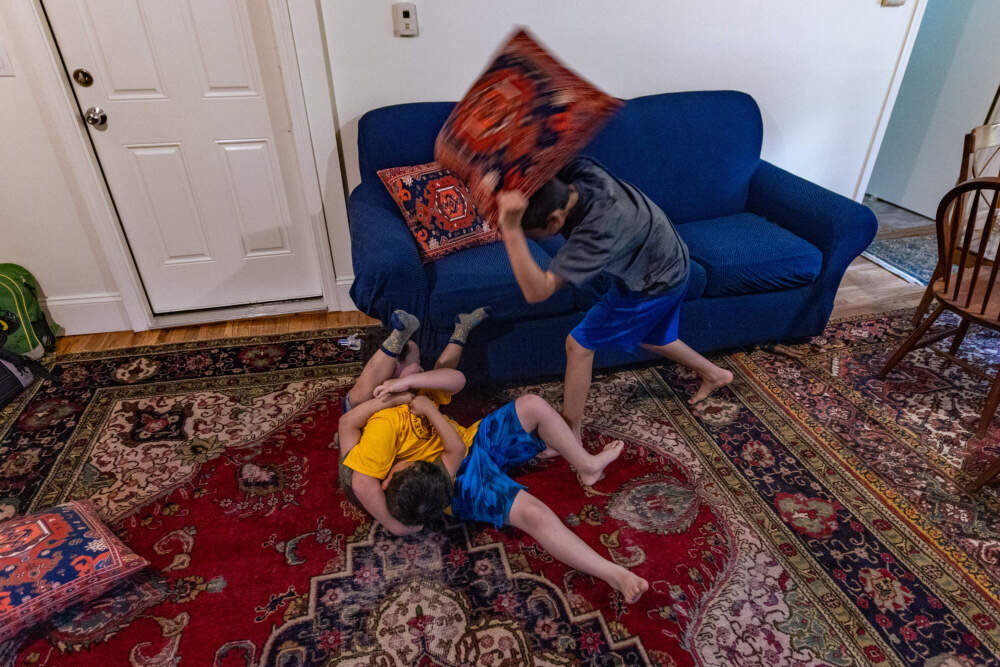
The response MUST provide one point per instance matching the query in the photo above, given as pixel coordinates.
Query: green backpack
(23, 327)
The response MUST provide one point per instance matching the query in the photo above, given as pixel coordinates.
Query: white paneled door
(186, 110)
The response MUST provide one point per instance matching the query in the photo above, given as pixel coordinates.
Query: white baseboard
(102, 312)
(344, 293)
(89, 313)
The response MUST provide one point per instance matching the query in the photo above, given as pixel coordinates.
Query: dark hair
(419, 493)
(550, 197)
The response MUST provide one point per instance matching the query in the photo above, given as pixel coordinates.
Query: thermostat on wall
(404, 19)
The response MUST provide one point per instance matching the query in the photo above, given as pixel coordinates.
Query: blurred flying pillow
(524, 118)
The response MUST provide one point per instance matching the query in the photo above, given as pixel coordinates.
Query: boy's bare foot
(548, 453)
(631, 586)
(710, 383)
(601, 461)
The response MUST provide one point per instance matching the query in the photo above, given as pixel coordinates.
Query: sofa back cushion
(693, 153)
(399, 134)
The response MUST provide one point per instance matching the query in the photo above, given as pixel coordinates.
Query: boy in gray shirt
(610, 226)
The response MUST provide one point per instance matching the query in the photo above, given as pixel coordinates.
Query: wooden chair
(980, 158)
(969, 288)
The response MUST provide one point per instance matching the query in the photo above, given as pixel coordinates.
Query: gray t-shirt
(615, 228)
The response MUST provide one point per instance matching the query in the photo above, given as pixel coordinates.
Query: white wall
(949, 83)
(43, 221)
(820, 71)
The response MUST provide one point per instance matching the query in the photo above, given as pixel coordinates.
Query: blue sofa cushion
(691, 153)
(399, 135)
(747, 254)
(482, 277)
(697, 280)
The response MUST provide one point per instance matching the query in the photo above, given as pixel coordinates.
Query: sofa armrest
(388, 273)
(840, 227)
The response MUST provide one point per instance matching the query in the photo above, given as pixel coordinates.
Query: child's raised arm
(536, 284)
(441, 379)
(454, 446)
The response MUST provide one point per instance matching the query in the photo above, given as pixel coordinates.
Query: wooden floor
(866, 288)
(229, 329)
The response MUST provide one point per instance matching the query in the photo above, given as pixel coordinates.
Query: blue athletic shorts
(483, 490)
(624, 319)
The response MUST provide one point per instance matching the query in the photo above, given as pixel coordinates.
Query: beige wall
(821, 71)
(44, 222)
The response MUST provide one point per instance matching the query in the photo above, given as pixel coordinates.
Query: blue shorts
(483, 490)
(625, 319)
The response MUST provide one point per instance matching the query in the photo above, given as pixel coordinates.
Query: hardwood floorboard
(866, 288)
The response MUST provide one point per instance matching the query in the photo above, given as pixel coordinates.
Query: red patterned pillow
(54, 558)
(438, 209)
(520, 123)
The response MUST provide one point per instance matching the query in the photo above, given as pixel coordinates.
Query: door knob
(96, 117)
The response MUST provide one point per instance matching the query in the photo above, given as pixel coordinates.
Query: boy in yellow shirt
(406, 463)
(366, 459)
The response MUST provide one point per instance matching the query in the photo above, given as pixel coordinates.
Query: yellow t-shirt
(396, 434)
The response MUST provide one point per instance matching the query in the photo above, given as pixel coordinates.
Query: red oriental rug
(808, 514)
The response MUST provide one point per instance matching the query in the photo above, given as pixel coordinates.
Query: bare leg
(380, 368)
(579, 369)
(450, 356)
(464, 324)
(535, 518)
(535, 413)
(712, 377)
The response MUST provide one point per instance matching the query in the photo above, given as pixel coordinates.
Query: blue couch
(768, 248)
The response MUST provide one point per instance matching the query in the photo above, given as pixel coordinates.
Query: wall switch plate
(404, 19)
(893, 3)
(6, 66)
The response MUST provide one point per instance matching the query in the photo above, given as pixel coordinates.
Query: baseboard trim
(89, 313)
(105, 311)
(344, 293)
(250, 311)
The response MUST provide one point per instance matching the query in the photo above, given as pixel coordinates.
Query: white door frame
(916, 18)
(82, 163)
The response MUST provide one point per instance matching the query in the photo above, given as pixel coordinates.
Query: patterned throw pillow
(520, 123)
(438, 209)
(54, 558)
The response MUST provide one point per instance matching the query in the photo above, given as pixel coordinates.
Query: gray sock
(466, 322)
(403, 325)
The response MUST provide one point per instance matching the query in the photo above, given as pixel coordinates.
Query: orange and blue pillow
(524, 118)
(438, 209)
(55, 558)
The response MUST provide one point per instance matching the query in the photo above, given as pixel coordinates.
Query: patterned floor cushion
(54, 558)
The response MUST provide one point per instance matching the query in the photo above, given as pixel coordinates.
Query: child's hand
(393, 386)
(511, 205)
(393, 400)
(422, 406)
